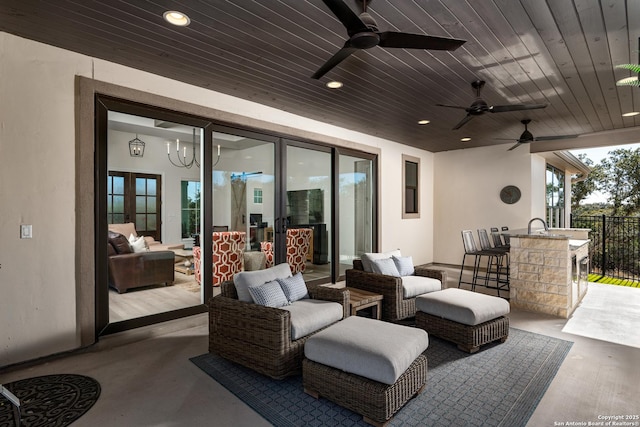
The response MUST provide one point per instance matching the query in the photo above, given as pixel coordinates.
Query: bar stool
(498, 242)
(505, 236)
(471, 249)
(497, 265)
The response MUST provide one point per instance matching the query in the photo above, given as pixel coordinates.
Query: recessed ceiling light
(465, 139)
(627, 81)
(334, 85)
(176, 18)
(631, 114)
(424, 122)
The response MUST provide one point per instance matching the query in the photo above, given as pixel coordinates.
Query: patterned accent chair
(228, 256)
(298, 242)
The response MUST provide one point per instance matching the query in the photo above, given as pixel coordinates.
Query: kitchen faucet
(546, 228)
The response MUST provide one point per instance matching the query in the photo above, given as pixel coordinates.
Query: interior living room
(118, 124)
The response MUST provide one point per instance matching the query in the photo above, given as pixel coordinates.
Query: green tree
(583, 188)
(620, 178)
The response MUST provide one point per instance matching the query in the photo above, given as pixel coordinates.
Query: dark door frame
(104, 104)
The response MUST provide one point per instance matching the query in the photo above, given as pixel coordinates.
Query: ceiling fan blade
(417, 41)
(551, 138)
(340, 56)
(516, 146)
(348, 17)
(514, 107)
(463, 121)
(451, 106)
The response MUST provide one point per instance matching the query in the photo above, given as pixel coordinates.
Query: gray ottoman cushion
(466, 307)
(370, 348)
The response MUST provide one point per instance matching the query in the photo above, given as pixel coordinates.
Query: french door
(135, 197)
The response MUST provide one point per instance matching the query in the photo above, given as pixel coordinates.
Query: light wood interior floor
(184, 292)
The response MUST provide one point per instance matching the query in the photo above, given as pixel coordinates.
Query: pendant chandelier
(182, 161)
(136, 147)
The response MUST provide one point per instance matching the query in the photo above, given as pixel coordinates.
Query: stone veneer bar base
(541, 276)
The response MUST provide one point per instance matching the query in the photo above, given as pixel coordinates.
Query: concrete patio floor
(148, 380)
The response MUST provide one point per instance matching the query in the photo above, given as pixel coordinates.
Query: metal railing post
(604, 244)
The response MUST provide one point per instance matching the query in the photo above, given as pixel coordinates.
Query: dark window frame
(410, 187)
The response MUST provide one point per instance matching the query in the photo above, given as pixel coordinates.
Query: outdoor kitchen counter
(548, 269)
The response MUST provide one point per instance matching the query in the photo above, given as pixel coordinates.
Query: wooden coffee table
(183, 255)
(360, 299)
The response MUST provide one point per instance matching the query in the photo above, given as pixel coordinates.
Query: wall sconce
(136, 147)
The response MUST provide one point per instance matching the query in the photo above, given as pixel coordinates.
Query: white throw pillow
(138, 244)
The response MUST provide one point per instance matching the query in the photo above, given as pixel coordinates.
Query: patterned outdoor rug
(50, 400)
(501, 385)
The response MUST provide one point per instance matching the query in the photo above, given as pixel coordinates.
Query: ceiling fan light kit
(364, 34)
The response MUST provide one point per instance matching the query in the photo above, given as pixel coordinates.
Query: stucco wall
(37, 186)
(467, 194)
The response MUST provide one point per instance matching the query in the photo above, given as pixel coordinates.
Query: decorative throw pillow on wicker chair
(294, 287)
(368, 257)
(269, 294)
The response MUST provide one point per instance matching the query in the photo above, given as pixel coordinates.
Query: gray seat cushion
(412, 286)
(310, 315)
(466, 307)
(370, 348)
(245, 279)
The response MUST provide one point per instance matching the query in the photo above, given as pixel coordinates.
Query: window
(190, 208)
(257, 196)
(555, 196)
(410, 182)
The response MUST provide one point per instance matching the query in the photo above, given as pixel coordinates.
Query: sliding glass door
(148, 212)
(208, 201)
(356, 201)
(243, 215)
(308, 207)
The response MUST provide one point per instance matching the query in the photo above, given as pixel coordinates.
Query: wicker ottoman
(466, 318)
(366, 365)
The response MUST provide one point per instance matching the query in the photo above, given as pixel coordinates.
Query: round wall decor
(510, 194)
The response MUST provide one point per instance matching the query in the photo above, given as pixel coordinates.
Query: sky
(596, 155)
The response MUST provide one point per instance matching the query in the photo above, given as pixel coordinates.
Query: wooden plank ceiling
(558, 52)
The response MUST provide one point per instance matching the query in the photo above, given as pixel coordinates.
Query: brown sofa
(129, 228)
(128, 269)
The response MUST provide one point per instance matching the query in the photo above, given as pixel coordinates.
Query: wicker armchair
(394, 306)
(259, 337)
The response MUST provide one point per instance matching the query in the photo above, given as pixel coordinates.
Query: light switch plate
(25, 231)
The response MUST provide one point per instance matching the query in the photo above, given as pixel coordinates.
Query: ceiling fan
(480, 106)
(527, 136)
(363, 34)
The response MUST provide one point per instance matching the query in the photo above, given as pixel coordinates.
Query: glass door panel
(308, 212)
(355, 186)
(144, 198)
(243, 202)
